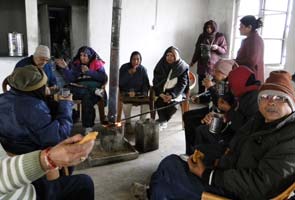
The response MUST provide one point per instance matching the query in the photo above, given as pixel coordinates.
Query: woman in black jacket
(170, 81)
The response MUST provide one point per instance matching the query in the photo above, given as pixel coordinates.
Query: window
(276, 19)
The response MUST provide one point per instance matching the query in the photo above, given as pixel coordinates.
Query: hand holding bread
(90, 136)
(198, 155)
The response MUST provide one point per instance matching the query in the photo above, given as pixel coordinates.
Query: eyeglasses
(275, 98)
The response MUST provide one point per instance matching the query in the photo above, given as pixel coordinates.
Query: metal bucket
(15, 44)
(147, 135)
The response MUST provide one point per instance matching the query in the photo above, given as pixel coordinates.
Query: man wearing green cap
(28, 123)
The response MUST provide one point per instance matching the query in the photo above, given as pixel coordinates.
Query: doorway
(59, 25)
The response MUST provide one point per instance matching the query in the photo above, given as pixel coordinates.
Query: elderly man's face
(273, 107)
(40, 61)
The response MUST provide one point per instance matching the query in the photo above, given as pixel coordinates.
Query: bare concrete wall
(223, 13)
(151, 26)
(79, 26)
(99, 28)
(290, 57)
(143, 29)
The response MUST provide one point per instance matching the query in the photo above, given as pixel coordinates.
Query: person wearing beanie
(244, 89)
(209, 48)
(251, 51)
(40, 59)
(215, 88)
(29, 123)
(34, 128)
(260, 160)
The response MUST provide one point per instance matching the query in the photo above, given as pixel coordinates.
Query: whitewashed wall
(7, 63)
(223, 13)
(145, 29)
(290, 57)
(152, 31)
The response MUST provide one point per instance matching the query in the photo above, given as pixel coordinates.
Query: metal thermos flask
(15, 44)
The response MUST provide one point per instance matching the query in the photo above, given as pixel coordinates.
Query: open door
(44, 28)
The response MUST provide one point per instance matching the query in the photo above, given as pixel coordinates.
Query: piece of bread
(90, 136)
(198, 155)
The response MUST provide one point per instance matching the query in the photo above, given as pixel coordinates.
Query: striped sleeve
(16, 174)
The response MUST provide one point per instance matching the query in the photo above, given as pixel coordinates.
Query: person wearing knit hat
(224, 66)
(215, 88)
(27, 78)
(40, 59)
(236, 111)
(259, 163)
(30, 124)
(277, 90)
(36, 127)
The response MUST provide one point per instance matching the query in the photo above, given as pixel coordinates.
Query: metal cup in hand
(65, 92)
(216, 123)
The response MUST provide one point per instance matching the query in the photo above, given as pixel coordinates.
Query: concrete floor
(113, 181)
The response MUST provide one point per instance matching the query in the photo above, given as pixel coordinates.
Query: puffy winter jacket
(261, 163)
(27, 125)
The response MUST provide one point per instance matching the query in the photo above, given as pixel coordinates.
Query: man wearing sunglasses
(260, 162)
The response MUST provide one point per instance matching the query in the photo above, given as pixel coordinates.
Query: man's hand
(69, 152)
(197, 168)
(61, 63)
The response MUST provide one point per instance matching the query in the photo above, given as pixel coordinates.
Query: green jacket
(261, 163)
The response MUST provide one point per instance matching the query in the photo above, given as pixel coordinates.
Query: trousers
(75, 187)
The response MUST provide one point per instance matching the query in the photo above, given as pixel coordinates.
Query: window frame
(261, 13)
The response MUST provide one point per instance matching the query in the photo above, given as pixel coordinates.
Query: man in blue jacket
(40, 59)
(25, 118)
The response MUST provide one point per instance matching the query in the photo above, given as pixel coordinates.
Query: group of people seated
(250, 156)
(256, 162)
(247, 152)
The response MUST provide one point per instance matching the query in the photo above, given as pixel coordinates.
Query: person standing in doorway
(209, 47)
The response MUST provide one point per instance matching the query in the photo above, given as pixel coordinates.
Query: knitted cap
(280, 81)
(28, 78)
(225, 66)
(42, 51)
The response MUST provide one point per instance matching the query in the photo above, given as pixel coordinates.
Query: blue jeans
(75, 187)
(174, 181)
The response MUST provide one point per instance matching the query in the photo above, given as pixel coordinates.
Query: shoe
(139, 191)
(99, 92)
(163, 125)
(184, 157)
(88, 129)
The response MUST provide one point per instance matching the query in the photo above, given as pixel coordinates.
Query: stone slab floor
(113, 181)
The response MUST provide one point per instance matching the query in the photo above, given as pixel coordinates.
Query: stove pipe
(114, 61)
